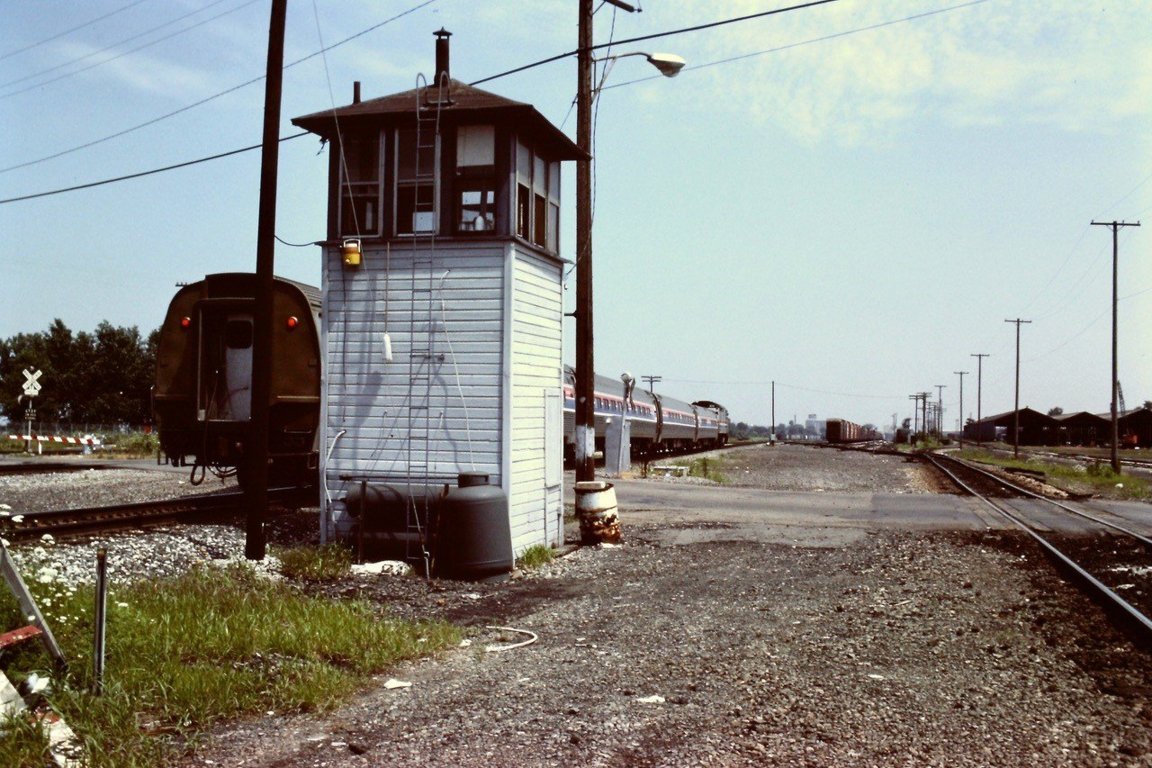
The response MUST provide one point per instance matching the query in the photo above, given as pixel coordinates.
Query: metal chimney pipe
(355, 91)
(441, 56)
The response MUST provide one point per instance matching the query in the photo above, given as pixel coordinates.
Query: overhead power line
(213, 97)
(69, 31)
(810, 41)
(120, 55)
(506, 73)
(655, 35)
(101, 183)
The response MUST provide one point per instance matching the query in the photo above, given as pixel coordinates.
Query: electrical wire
(122, 54)
(69, 31)
(506, 73)
(213, 97)
(295, 245)
(147, 173)
(336, 119)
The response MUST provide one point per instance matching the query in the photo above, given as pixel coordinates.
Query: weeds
(212, 645)
(1097, 477)
(709, 468)
(534, 557)
(325, 563)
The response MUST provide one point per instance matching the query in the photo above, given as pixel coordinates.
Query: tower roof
(457, 103)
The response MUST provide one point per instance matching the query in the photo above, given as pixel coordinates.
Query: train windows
(360, 185)
(476, 178)
(238, 334)
(417, 182)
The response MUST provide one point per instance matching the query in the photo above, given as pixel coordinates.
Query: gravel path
(947, 648)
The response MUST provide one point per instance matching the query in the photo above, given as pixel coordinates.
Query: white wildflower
(36, 683)
(48, 538)
(18, 518)
(46, 575)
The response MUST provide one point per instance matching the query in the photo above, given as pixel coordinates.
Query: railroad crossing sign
(32, 385)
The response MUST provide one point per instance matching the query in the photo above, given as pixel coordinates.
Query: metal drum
(475, 538)
(596, 510)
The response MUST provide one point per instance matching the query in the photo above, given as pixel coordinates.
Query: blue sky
(848, 199)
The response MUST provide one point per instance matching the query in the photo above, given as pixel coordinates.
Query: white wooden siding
(535, 491)
(495, 335)
(446, 408)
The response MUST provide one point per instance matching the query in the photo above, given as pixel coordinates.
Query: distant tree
(1056, 411)
(104, 377)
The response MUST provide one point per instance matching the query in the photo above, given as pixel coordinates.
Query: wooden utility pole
(940, 408)
(256, 450)
(585, 416)
(961, 374)
(1115, 225)
(772, 432)
(979, 394)
(1016, 415)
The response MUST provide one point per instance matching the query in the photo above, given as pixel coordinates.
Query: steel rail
(1019, 489)
(1139, 622)
(72, 522)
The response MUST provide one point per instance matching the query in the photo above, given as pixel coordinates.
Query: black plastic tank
(475, 539)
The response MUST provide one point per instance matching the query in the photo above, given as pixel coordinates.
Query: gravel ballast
(941, 648)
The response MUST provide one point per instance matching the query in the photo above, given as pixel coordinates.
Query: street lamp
(585, 418)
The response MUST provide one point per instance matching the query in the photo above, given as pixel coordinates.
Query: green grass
(1097, 477)
(326, 563)
(212, 645)
(708, 467)
(534, 557)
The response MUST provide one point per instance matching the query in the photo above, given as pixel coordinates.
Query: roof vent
(439, 88)
(442, 56)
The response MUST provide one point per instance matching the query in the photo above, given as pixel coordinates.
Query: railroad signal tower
(443, 299)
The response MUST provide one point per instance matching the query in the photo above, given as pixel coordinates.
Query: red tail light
(292, 323)
(185, 323)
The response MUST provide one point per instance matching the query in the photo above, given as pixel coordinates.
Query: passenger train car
(659, 423)
(202, 397)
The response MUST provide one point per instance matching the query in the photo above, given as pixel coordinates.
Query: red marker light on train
(185, 323)
(292, 323)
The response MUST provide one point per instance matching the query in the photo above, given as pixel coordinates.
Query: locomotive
(202, 396)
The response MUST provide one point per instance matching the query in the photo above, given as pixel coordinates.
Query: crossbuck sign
(32, 385)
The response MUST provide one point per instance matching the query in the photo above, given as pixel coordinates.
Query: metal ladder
(423, 360)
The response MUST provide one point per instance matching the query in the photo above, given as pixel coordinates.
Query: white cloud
(1073, 67)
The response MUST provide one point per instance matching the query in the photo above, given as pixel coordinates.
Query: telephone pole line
(979, 394)
(1115, 225)
(1016, 415)
(961, 374)
(940, 408)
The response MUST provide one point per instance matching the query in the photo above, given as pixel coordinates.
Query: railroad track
(46, 467)
(1116, 558)
(95, 520)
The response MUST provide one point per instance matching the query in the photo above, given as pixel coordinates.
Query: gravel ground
(919, 649)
